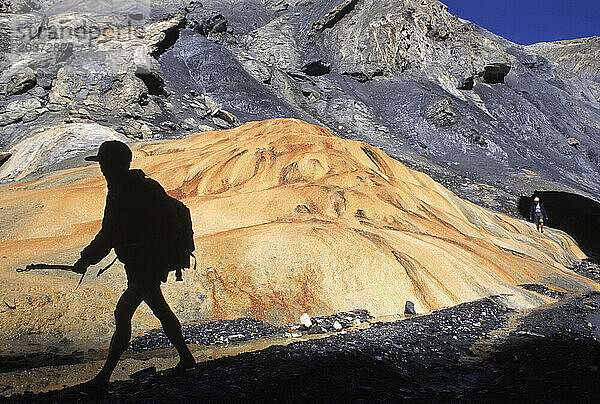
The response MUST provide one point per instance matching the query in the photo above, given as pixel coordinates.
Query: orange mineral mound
(288, 219)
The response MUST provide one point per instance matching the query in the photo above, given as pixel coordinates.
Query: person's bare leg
(171, 325)
(127, 305)
(542, 226)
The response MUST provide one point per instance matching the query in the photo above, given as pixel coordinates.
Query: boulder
(55, 144)
(146, 131)
(205, 128)
(30, 116)
(211, 25)
(409, 308)
(189, 124)
(212, 105)
(21, 82)
(226, 116)
(220, 122)
(16, 110)
(316, 329)
(38, 92)
(305, 320)
(169, 125)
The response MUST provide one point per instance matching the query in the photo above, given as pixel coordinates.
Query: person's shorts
(539, 218)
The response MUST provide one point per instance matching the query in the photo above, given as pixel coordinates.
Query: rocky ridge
(435, 91)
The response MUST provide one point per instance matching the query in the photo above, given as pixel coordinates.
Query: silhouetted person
(139, 224)
(537, 213)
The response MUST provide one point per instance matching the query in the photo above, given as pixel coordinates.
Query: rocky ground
(475, 352)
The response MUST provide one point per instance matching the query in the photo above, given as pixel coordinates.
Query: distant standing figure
(139, 224)
(537, 213)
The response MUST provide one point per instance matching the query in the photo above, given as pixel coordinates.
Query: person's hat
(536, 199)
(114, 150)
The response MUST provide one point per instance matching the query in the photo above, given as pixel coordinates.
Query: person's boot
(94, 388)
(183, 365)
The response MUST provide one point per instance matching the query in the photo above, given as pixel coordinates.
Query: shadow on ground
(475, 352)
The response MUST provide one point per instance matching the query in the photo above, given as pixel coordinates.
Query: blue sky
(530, 21)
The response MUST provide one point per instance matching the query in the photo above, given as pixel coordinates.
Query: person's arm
(100, 245)
(531, 213)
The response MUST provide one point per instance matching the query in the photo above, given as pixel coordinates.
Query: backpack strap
(179, 275)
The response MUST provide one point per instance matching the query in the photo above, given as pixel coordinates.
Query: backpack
(175, 254)
(178, 257)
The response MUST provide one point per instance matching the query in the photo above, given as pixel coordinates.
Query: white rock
(55, 144)
(205, 128)
(337, 325)
(531, 333)
(305, 320)
(211, 104)
(145, 131)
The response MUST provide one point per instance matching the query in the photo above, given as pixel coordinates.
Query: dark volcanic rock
(210, 333)
(544, 290)
(441, 112)
(409, 308)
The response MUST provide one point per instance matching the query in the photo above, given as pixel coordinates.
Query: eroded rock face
(367, 69)
(288, 219)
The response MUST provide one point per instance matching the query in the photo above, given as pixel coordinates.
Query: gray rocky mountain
(488, 118)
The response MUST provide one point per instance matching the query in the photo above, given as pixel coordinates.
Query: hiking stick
(31, 267)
